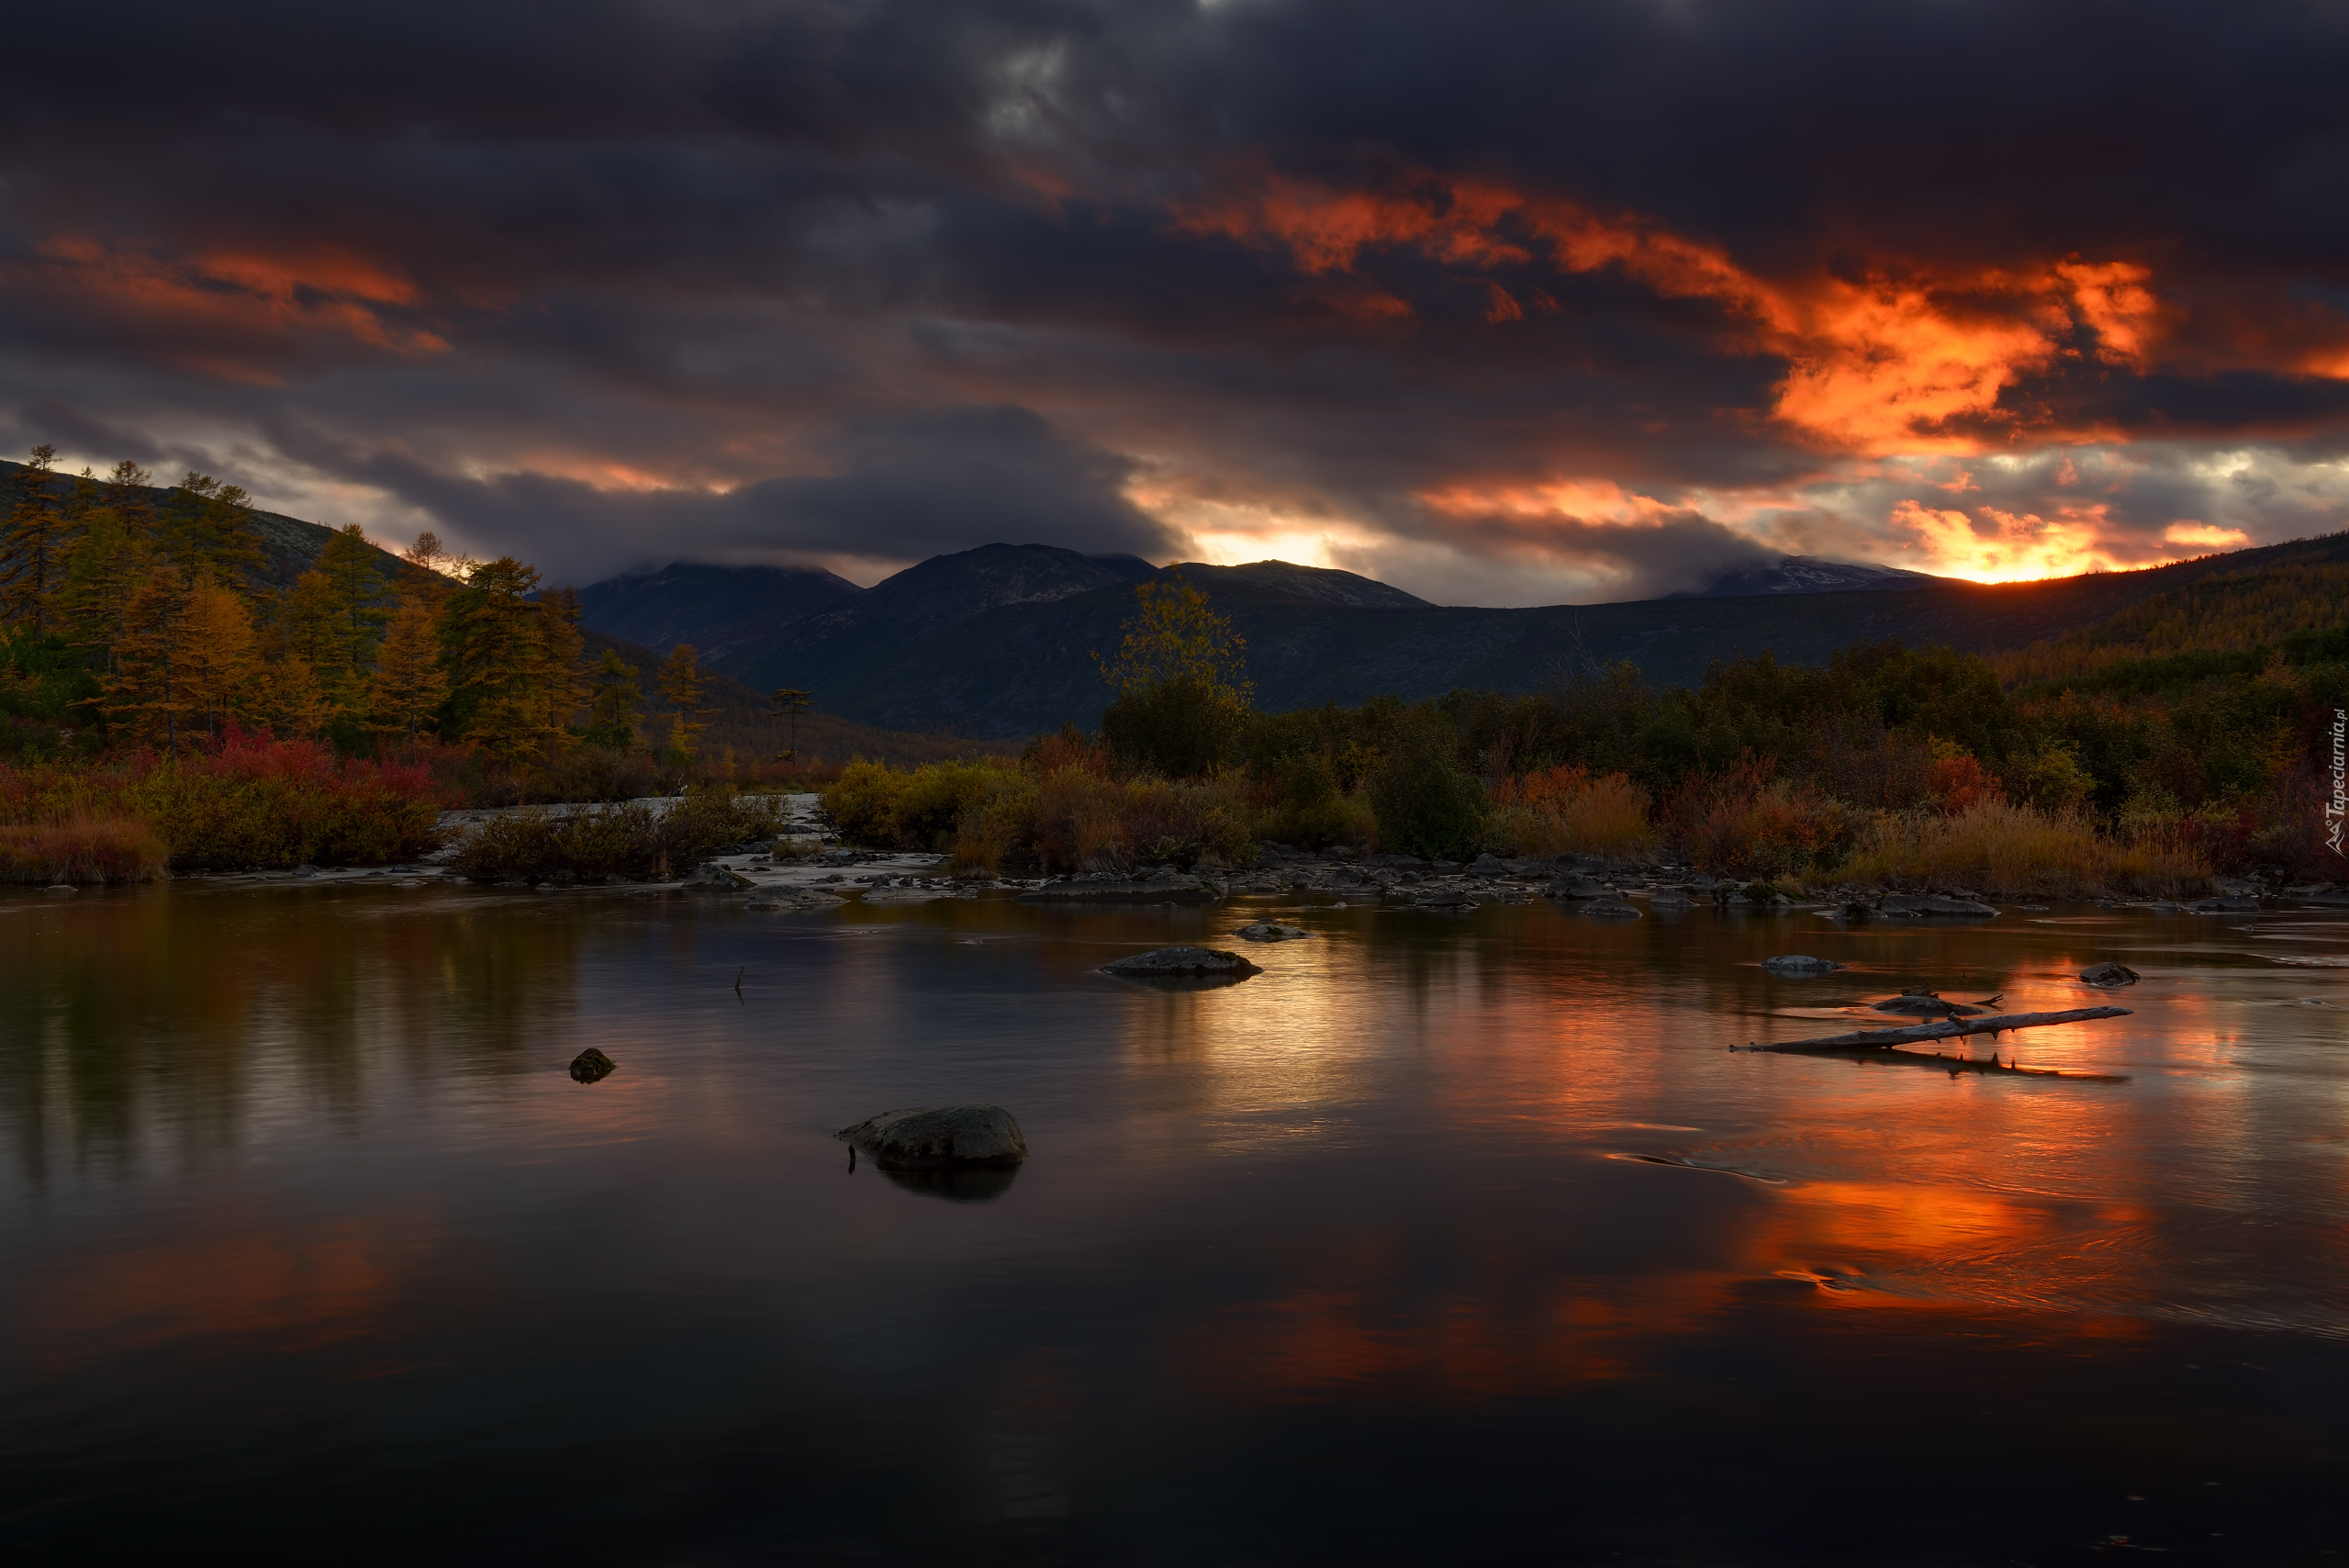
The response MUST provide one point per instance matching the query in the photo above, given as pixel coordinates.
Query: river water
(1443, 1236)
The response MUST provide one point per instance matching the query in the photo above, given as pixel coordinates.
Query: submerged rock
(1119, 889)
(2227, 905)
(592, 1066)
(1940, 904)
(1925, 1005)
(2109, 975)
(1270, 931)
(1181, 963)
(1800, 964)
(1610, 909)
(1448, 898)
(939, 1137)
(785, 900)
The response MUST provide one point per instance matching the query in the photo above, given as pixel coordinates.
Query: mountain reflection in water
(1441, 1236)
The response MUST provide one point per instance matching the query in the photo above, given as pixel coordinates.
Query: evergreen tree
(612, 706)
(32, 547)
(510, 662)
(409, 685)
(206, 524)
(358, 601)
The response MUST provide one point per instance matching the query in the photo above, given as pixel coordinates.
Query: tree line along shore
(167, 706)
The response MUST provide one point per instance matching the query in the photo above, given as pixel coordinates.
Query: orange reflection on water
(301, 1286)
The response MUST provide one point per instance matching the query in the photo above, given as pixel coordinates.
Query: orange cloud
(1995, 546)
(235, 313)
(2208, 534)
(1880, 367)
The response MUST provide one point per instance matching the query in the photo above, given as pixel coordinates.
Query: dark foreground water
(1443, 1240)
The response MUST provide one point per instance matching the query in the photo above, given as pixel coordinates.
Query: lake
(1445, 1237)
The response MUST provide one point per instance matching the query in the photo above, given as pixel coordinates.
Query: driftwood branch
(1918, 1034)
(1878, 1045)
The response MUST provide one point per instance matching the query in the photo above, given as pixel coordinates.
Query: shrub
(1182, 728)
(2015, 849)
(1748, 822)
(255, 803)
(105, 850)
(1426, 804)
(1566, 812)
(262, 802)
(634, 839)
(1309, 808)
(874, 804)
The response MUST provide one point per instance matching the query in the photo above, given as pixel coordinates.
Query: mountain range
(1000, 642)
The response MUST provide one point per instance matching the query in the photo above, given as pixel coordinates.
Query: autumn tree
(32, 547)
(149, 691)
(612, 703)
(1183, 692)
(681, 683)
(409, 685)
(220, 653)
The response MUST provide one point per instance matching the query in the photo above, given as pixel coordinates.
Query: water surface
(1442, 1237)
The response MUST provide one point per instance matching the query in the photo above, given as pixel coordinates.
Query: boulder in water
(592, 1065)
(1610, 909)
(1270, 931)
(1800, 964)
(2109, 975)
(1181, 963)
(939, 1137)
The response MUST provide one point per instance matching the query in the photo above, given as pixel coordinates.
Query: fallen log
(1916, 1034)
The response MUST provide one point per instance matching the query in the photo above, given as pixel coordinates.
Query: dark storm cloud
(604, 282)
(899, 487)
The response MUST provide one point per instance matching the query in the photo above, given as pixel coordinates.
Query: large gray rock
(1270, 931)
(2109, 976)
(1578, 886)
(1181, 963)
(939, 1137)
(1800, 964)
(710, 877)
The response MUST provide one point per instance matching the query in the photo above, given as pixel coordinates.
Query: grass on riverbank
(104, 850)
(1999, 847)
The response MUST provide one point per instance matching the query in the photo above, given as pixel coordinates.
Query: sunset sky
(1503, 303)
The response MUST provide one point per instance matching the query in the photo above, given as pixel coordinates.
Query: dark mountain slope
(1018, 668)
(713, 608)
(288, 545)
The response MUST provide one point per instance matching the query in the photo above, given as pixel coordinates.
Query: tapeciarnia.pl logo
(2337, 807)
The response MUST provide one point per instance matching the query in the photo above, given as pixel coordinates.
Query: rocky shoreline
(798, 872)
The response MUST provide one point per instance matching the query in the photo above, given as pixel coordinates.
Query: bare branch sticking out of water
(1879, 1044)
